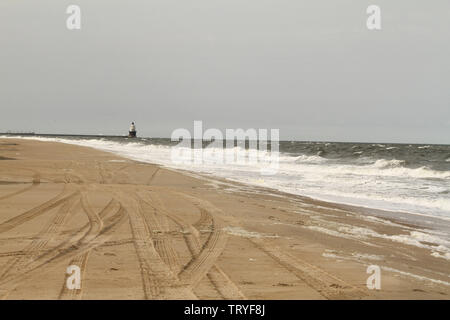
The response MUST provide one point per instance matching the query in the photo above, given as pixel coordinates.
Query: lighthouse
(132, 132)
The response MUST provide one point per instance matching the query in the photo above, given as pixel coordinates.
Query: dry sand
(138, 231)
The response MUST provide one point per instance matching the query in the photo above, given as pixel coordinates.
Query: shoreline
(428, 219)
(300, 239)
(423, 220)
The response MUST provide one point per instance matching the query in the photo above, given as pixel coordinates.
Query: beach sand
(139, 231)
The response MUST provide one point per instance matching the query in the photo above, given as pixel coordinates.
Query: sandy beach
(139, 231)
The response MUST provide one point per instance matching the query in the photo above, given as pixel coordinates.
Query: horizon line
(145, 137)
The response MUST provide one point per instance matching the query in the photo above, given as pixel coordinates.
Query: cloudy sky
(309, 68)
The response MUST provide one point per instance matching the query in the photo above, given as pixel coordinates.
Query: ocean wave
(383, 163)
(304, 159)
(380, 168)
(439, 207)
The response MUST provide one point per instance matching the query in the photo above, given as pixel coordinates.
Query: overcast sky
(310, 68)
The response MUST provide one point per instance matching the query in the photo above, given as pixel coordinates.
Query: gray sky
(309, 68)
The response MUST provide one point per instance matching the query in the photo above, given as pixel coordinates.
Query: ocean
(409, 178)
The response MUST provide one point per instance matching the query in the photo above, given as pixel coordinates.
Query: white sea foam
(302, 159)
(445, 256)
(237, 231)
(354, 256)
(357, 256)
(382, 163)
(332, 232)
(422, 278)
(366, 256)
(438, 246)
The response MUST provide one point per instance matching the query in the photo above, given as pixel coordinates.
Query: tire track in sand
(160, 233)
(327, 285)
(150, 180)
(35, 182)
(81, 260)
(12, 254)
(36, 211)
(204, 263)
(204, 255)
(39, 244)
(70, 249)
(158, 280)
(221, 282)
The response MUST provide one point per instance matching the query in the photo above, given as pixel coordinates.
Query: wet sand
(139, 231)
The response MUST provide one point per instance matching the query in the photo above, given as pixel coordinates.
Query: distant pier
(33, 134)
